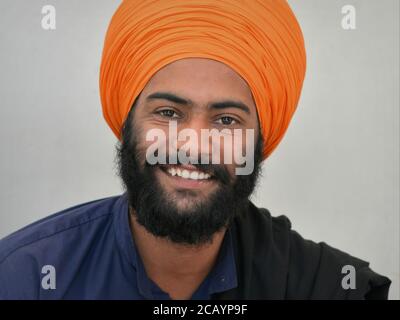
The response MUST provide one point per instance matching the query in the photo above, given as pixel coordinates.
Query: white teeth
(194, 175)
(186, 174)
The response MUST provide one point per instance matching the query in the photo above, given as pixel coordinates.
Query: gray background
(335, 174)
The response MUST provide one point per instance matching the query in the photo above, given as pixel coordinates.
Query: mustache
(216, 171)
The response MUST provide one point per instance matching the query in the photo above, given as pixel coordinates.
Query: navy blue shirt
(88, 252)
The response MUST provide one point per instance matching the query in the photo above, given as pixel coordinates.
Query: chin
(183, 201)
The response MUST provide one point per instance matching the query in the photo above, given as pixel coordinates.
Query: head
(192, 65)
(189, 202)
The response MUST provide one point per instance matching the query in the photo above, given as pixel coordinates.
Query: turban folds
(260, 39)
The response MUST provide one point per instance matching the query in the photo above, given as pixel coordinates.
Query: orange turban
(260, 39)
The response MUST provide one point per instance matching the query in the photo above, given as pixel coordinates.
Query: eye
(168, 113)
(226, 120)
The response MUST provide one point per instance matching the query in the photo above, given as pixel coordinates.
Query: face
(188, 202)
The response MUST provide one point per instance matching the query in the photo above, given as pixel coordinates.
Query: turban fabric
(259, 39)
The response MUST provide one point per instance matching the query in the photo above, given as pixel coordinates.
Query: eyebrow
(216, 105)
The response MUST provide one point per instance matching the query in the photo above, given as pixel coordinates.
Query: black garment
(275, 262)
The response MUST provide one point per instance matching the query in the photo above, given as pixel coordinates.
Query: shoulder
(320, 271)
(24, 252)
(55, 225)
(309, 270)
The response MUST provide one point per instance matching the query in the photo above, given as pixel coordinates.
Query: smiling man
(199, 93)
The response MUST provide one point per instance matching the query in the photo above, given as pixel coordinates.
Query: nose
(193, 140)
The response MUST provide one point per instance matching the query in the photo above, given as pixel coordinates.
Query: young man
(188, 87)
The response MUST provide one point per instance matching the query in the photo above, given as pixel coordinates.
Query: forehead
(201, 80)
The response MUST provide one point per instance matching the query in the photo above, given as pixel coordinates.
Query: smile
(187, 176)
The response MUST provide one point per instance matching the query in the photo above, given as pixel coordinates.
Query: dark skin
(196, 86)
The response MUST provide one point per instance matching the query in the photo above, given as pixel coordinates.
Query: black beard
(156, 210)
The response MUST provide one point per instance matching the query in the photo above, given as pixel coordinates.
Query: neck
(168, 263)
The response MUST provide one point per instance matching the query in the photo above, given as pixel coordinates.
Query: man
(188, 87)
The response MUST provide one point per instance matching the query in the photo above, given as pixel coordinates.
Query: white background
(335, 174)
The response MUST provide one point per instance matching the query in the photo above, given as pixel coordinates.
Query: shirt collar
(221, 278)
(127, 245)
(223, 275)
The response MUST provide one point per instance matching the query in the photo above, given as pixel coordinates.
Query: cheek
(151, 138)
(234, 150)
